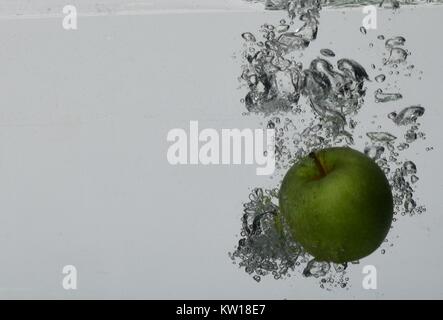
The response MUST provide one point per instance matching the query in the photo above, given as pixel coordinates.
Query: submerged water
(283, 4)
(313, 105)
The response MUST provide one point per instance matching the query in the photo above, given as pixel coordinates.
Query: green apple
(337, 204)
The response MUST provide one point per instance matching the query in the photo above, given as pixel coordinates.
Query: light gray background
(84, 178)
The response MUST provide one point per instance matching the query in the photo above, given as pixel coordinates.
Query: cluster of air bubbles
(401, 174)
(267, 250)
(261, 250)
(274, 78)
(396, 58)
(385, 149)
(390, 4)
(313, 105)
(278, 82)
(396, 54)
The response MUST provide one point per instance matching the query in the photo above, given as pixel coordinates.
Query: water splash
(261, 250)
(393, 4)
(275, 80)
(311, 106)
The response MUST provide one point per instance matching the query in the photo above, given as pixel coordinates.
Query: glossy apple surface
(337, 203)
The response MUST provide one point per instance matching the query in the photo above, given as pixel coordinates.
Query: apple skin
(337, 203)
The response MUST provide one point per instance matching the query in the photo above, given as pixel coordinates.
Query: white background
(84, 178)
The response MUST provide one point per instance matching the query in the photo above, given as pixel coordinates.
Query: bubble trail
(312, 105)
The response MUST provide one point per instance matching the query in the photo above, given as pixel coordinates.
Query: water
(380, 78)
(327, 52)
(248, 37)
(409, 115)
(374, 152)
(381, 96)
(313, 105)
(381, 137)
(395, 4)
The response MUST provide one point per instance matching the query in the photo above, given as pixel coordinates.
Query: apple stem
(318, 164)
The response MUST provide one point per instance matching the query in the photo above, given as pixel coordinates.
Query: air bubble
(248, 37)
